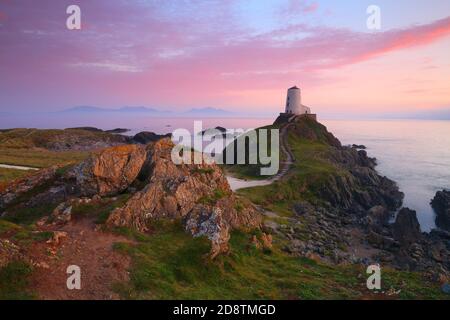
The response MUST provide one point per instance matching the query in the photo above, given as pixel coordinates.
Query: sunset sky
(231, 54)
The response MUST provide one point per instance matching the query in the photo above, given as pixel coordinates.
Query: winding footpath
(7, 166)
(289, 157)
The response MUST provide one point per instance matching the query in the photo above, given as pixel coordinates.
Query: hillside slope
(334, 204)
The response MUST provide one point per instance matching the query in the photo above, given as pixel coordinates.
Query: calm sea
(416, 154)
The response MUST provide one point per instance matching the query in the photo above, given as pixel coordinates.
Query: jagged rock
(440, 234)
(199, 194)
(109, 172)
(55, 194)
(209, 222)
(379, 215)
(441, 205)
(13, 190)
(438, 252)
(62, 213)
(264, 242)
(57, 237)
(381, 241)
(146, 137)
(406, 228)
(377, 218)
(303, 208)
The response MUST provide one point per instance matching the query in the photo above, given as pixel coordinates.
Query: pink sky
(203, 54)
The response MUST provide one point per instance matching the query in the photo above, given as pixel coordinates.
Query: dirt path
(91, 250)
(8, 166)
(289, 157)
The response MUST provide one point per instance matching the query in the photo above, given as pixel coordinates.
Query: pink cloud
(301, 6)
(132, 54)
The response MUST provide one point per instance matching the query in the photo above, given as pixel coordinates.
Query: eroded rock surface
(110, 172)
(199, 194)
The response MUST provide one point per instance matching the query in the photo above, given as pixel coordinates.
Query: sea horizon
(417, 162)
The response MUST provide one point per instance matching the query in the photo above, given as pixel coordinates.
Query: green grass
(211, 200)
(101, 210)
(14, 281)
(250, 171)
(8, 175)
(30, 147)
(170, 264)
(309, 174)
(39, 158)
(18, 212)
(22, 234)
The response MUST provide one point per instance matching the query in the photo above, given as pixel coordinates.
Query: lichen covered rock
(109, 172)
(198, 194)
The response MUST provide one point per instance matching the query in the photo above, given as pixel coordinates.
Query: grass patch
(23, 235)
(212, 199)
(8, 175)
(247, 170)
(170, 264)
(100, 210)
(39, 158)
(26, 215)
(14, 281)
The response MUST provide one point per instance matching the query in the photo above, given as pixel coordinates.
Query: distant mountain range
(123, 109)
(208, 111)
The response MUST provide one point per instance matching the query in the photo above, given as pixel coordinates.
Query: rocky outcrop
(406, 228)
(13, 190)
(146, 137)
(308, 129)
(62, 213)
(353, 183)
(110, 172)
(78, 139)
(198, 194)
(441, 205)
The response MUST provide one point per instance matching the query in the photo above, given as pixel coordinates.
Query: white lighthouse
(294, 108)
(294, 104)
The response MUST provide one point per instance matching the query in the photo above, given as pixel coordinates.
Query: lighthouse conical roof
(294, 88)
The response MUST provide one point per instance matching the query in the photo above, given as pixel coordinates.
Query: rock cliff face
(198, 194)
(339, 200)
(406, 228)
(441, 204)
(110, 172)
(352, 182)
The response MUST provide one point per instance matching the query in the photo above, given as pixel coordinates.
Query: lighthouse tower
(294, 102)
(294, 108)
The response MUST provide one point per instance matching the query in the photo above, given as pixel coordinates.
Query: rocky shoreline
(341, 216)
(351, 222)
